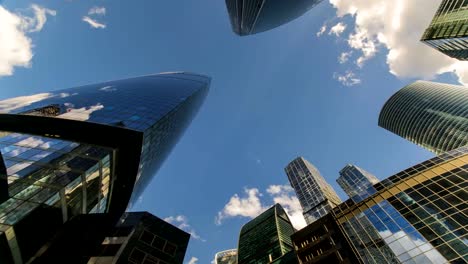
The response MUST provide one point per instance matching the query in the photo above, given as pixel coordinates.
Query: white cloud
(347, 79)
(108, 88)
(97, 10)
(250, 205)
(344, 57)
(181, 222)
(322, 30)
(15, 45)
(397, 27)
(81, 114)
(11, 104)
(193, 260)
(93, 23)
(337, 29)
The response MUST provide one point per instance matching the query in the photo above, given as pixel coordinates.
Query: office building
(448, 31)
(138, 237)
(323, 242)
(226, 257)
(254, 16)
(431, 115)
(90, 149)
(266, 238)
(356, 182)
(316, 196)
(419, 214)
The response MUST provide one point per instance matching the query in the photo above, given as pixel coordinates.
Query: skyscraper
(356, 182)
(419, 214)
(89, 149)
(226, 257)
(265, 238)
(316, 196)
(253, 16)
(431, 115)
(448, 31)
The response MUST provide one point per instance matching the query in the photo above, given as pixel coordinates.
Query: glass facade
(265, 238)
(316, 196)
(431, 115)
(448, 31)
(420, 214)
(254, 16)
(356, 182)
(226, 257)
(58, 160)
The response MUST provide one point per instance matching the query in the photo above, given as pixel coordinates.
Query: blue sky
(274, 96)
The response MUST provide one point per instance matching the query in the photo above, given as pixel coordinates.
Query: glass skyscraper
(431, 115)
(448, 31)
(253, 16)
(420, 214)
(89, 149)
(265, 238)
(226, 257)
(316, 196)
(356, 182)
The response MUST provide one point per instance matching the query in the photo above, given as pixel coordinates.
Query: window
(158, 243)
(137, 255)
(147, 237)
(170, 249)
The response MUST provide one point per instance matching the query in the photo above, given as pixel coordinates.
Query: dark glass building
(266, 238)
(138, 237)
(448, 31)
(254, 16)
(431, 115)
(90, 149)
(420, 214)
(323, 242)
(316, 196)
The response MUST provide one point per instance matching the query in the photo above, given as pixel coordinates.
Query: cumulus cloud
(11, 104)
(250, 205)
(347, 79)
(97, 10)
(337, 29)
(395, 27)
(15, 45)
(321, 31)
(181, 222)
(193, 260)
(344, 57)
(93, 23)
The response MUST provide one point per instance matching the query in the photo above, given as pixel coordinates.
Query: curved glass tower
(254, 16)
(431, 115)
(90, 149)
(226, 257)
(266, 238)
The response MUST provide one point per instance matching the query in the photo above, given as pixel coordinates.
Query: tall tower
(356, 182)
(431, 115)
(253, 16)
(448, 30)
(226, 257)
(90, 149)
(265, 238)
(316, 196)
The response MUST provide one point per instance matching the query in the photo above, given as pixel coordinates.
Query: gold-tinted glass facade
(430, 218)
